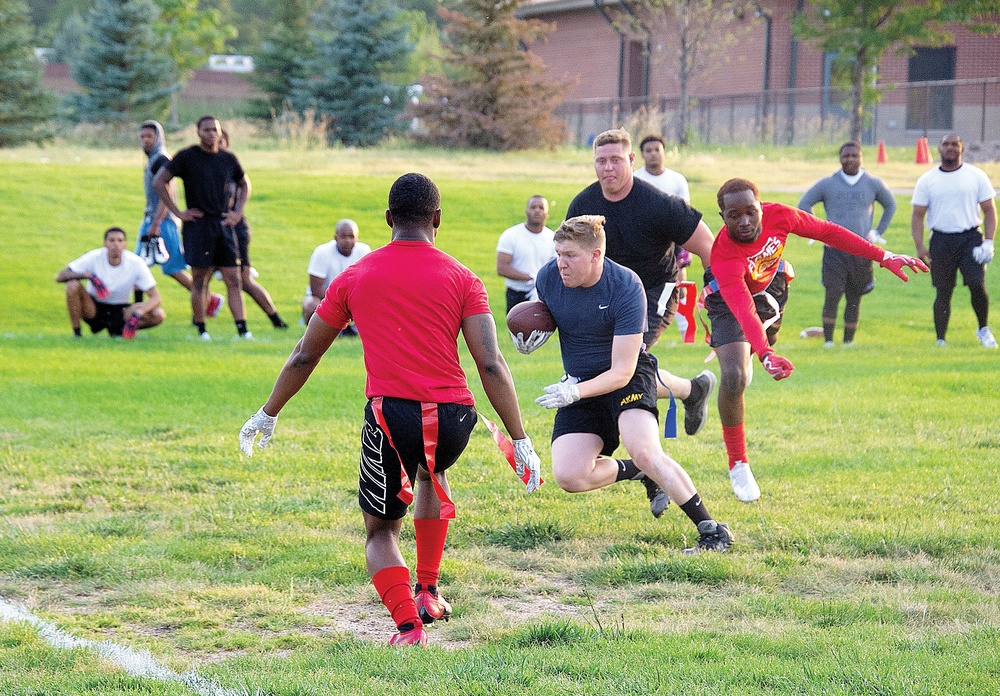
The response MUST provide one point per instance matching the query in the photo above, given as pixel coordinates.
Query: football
(530, 316)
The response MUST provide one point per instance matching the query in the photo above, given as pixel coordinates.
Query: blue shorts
(171, 239)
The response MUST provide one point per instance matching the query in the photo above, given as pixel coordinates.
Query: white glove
(532, 343)
(261, 423)
(875, 238)
(984, 252)
(525, 457)
(559, 395)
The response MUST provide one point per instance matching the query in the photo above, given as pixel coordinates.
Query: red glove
(131, 326)
(776, 366)
(99, 287)
(895, 263)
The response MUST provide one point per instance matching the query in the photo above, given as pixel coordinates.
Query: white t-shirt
(952, 198)
(327, 263)
(121, 280)
(529, 251)
(669, 181)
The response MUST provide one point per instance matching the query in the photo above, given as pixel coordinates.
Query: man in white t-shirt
(112, 273)
(667, 180)
(328, 261)
(956, 199)
(673, 183)
(523, 249)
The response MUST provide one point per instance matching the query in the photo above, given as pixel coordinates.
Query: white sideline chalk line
(136, 663)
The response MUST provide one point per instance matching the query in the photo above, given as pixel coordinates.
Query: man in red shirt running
(750, 290)
(409, 302)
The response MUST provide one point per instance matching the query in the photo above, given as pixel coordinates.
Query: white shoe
(828, 344)
(985, 337)
(204, 336)
(247, 336)
(744, 484)
(940, 343)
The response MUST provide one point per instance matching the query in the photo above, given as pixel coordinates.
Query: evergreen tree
(283, 57)
(358, 46)
(25, 107)
(124, 68)
(68, 43)
(500, 97)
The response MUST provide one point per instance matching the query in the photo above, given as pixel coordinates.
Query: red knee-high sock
(393, 587)
(735, 437)
(430, 535)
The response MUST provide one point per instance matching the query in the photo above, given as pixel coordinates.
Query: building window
(931, 107)
(836, 101)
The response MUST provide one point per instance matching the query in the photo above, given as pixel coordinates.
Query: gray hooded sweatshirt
(157, 158)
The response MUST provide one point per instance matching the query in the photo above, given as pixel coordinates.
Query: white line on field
(138, 664)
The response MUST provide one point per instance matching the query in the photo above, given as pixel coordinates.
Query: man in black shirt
(209, 240)
(642, 225)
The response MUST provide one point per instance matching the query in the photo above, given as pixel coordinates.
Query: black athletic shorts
(847, 274)
(952, 252)
(380, 479)
(208, 243)
(242, 231)
(599, 414)
(658, 323)
(516, 297)
(726, 329)
(109, 316)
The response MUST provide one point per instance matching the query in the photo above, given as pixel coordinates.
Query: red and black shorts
(416, 432)
(726, 328)
(599, 414)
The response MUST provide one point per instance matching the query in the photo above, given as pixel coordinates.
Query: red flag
(507, 448)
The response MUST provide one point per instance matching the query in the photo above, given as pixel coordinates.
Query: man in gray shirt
(849, 198)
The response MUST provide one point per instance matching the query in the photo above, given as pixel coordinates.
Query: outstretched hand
(261, 423)
(559, 395)
(896, 262)
(776, 366)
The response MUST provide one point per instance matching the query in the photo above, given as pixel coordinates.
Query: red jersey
(742, 270)
(408, 300)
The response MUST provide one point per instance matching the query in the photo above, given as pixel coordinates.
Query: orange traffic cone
(881, 158)
(923, 152)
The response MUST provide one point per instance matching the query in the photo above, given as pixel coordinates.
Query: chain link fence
(803, 116)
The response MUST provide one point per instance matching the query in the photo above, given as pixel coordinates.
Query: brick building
(767, 85)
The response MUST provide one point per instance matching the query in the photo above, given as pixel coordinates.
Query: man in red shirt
(409, 301)
(750, 290)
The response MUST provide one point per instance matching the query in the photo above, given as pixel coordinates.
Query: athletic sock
(627, 470)
(76, 331)
(276, 321)
(695, 510)
(431, 534)
(200, 325)
(393, 587)
(736, 443)
(241, 326)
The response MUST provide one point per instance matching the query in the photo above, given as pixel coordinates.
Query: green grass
(870, 566)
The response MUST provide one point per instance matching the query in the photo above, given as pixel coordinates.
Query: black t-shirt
(205, 176)
(641, 229)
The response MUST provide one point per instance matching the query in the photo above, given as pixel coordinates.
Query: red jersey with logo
(408, 300)
(742, 270)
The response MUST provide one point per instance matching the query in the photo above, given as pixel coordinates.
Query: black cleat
(696, 410)
(715, 536)
(658, 499)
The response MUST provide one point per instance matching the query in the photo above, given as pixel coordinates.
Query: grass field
(127, 514)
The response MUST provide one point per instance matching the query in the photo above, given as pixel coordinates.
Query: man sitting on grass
(113, 273)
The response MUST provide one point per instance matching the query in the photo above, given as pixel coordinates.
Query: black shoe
(715, 536)
(278, 322)
(658, 500)
(696, 409)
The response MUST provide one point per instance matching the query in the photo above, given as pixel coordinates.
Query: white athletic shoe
(828, 344)
(744, 484)
(204, 336)
(940, 343)
(985, 337)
